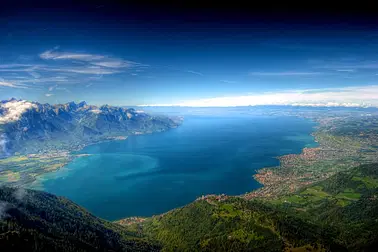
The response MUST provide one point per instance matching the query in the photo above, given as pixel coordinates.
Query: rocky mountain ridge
(29, 127)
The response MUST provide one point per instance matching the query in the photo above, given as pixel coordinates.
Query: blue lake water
(150, 174)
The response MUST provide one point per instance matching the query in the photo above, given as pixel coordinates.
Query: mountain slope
(38, 221)
(235, 224)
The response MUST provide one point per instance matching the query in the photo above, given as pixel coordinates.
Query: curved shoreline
(334, 153)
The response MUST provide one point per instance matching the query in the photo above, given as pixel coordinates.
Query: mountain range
(30, 127)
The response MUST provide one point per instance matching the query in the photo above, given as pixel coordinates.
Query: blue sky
(104, 56)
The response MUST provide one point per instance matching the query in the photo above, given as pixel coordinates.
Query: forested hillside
(38, 221)
(338, 214)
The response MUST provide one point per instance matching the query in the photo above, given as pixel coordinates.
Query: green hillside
(338, 214)
(38, 221)
(346, 202)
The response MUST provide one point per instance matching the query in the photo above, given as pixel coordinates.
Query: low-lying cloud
(12, 110)
(20, 193)
(364, 96)
(3, 145)
(3, 209)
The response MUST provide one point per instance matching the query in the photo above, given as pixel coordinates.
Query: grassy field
(23, 170)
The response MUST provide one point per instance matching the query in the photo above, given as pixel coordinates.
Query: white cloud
(20, 193)
(12, 110)
(44, 80)
(3, 209)
(284, 73)
(34, 74)
(3, 145)
(52, 54)
(346, 65)
(345, 70)
(115, 63)
(48, 95)
(11, 84)
(194, 72)
(84, 70)
(52, 88)
(6, 84)
(100, 61)
(15, 65)
(348, 97)
(228, 81)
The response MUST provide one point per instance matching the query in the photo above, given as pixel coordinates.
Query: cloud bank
(12, 110)
(364, 96)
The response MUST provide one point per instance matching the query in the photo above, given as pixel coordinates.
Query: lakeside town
(344, 141)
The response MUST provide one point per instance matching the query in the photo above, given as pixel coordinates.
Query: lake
(151, 174)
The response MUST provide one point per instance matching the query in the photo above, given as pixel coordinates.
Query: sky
(124, 54)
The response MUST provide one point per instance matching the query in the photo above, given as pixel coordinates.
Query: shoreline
(56, 161)
(333, 153)
(264, 175)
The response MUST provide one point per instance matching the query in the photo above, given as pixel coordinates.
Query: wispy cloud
(228, 81)
(34, 74)
(52, 54)
(52, 88)
(4, 83)
(49, 94)
(55, 79)
(101, 61)
(284, 73)
(26, 69)
(345, 65)
(194, 72)
(82, 70)
(349, 97)
(65, 67)
(84, 63)
(10, 66)
(345, 70)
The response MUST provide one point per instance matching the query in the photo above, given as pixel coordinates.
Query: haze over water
(150, 174)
